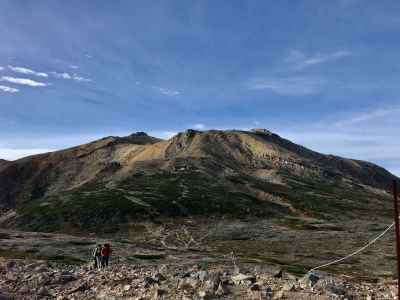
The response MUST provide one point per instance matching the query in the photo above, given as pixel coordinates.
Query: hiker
(96, 254)
(105, 255)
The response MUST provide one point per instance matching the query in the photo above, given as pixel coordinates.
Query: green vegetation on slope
(139, 197)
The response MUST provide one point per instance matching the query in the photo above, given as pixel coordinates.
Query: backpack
(105, 251)
(96, 252)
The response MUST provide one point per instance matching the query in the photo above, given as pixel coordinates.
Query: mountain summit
(195, 173)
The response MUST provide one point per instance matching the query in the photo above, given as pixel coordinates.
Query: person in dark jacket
(105, 255)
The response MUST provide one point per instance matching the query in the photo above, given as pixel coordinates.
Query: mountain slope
(234, 173)
(4, 163)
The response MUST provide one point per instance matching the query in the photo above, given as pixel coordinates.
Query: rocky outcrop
(36, 279)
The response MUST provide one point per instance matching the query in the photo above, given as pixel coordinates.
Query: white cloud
(380, 149)
(74, 67)
(62, 75)
(27, 71)
(368, 116)
(292, 86)
(8, 89)
(66, 75)
(199, 126)
(368, 147)
(22, 81)
(300, 61)
(80, 78)
(167, 92)
(1, 68)
(13, 154)
(370, 136)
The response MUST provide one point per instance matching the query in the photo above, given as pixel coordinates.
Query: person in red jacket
(105, 255)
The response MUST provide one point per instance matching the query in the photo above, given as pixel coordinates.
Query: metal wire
(355, 252)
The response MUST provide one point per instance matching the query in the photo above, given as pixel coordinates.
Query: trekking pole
(396, 219)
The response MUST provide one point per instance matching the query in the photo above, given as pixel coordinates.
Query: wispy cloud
(8, 89)
(368, 116)
(301, 61)
(27, 71)
(166, 91)
(1, 68)
(74, 67)
(23, 81)
(290, 86)
(66, 75)
(62, 75)
(367, 135)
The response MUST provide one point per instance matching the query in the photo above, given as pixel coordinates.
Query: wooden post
(396, 220)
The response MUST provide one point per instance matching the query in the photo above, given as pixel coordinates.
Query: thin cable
(355, 252)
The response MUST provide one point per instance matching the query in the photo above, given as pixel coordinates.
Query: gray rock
(202, 275)
(279, 274)
(289, 286)
(336, 289)
(221, 290)
(10, 264)
(256, 286)
(43, 279)
(40, 269)
(243, 279)
(43, 291)
(24, 289)
(188, 283)
(67, 278)
(159, 277)
(149, 281)
(313, 279)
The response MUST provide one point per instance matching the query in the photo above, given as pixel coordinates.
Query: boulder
(221, 290)
(309, 280)
(278, 295)
(256, 286)
(43, 291)
(41, 268)
(149, 281)
(336, 289)
(243, 279)
(10, 265)
(279, 274)
(202, 275)
(289, 286)
(24, 289)
(159, 277)
(188, 283)
(43, 279)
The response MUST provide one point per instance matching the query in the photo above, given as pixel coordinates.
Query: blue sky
(321, 73)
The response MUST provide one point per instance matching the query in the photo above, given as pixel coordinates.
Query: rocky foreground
(23, 279)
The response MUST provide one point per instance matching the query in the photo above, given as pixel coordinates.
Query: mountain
(3, 163)
(233, 173)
